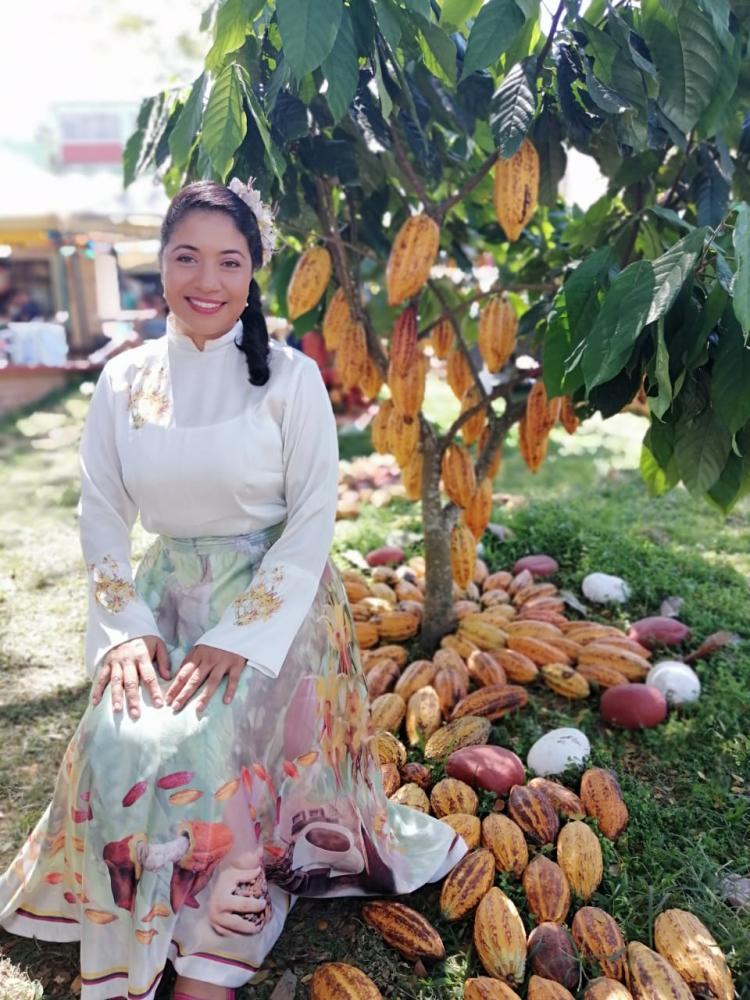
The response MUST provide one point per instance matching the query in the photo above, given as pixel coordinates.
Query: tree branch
(502, 391)
(408, 169)
(438, 292)
(550, 37)
(497, 288)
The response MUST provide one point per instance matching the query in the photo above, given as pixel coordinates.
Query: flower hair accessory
(262, 213)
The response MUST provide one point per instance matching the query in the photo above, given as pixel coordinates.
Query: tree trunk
(438, 618)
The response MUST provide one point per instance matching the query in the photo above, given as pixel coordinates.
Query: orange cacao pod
(568, 416)
(405, 930)
(379, 427)
(391, 779)
(412, 255)
(459, 480)
(477, 513)
(471, 429)
(337, 320)
(579, 854)
(466, 826)
(547, 890)
(505, 840)
(537, 650)
(372, 379)
(311, 274)
(563, 799)
(388, 711)
(458, 372)
(601, 942)
(602, 988)
(470, 730)
(417, 675)
(565, 681)
(485, 670)
(451, 686)
(411, 476)
(413, 796)
(351, 356)
(602, 799)
(516, 189)
(492, 702)
(517, 666)
(467, 884)
(484, 988)
(533, 812)
(403, 437)
(463, 554)
(423, 716)
(497, 333)
(407, 390)
(404, 345)
(387, 748)
(547, 989)
(339, 981)
(500, 937)
(453, 796)
(441, 338)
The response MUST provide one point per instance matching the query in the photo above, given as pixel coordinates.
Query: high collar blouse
(180, 436)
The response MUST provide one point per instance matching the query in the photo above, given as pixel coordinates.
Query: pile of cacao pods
(372, 479)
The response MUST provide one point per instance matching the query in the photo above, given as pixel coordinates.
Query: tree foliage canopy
(351, 115)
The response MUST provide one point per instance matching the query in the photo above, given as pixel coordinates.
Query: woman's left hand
(203, 668)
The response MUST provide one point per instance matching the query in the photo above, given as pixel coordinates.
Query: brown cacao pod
(478, 511)
(547, 989)
(468, 731)
(606, 989)
(391, 779)
(687, 944)
(441, 338)
(516, 189)
(458, 372)
(534, 813)
(451, 686)
(463, 554)
(579, 854)
(417, 773)
(483, 988)
(405, 930)
(565, 681)
(311, 275)
(497, 333)
(568, 416)
(337, 320)
(547, 890)
(602, 799)
(453, 796)
(423, 716)
(388, 711)
(418, 674)
(339, 981)
(387, 748)
(492, 702)
(379, 427)
(505, 840)
(467, 884)
(459, 480)
(404, 343)
(600, 942)
(412, 255)
(413, 796)
(382, 678)
(500, 937)
(519, 669)
(652, 977)
(466, 826)
(564, 800)
(552, 954)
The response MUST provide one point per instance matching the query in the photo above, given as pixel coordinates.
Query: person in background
(22, 308)
(155, 325)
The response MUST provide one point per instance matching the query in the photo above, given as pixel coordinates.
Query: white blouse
(181, 436)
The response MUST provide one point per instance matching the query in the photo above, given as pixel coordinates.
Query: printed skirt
(185, 838)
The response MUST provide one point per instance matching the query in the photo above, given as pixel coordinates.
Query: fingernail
(227, 699)
(158, 702)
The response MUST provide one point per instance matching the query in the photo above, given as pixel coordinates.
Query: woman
(221, 768)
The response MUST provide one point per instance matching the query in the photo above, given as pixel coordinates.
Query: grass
(687, 783)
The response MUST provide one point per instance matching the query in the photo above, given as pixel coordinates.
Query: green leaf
(492, 34)
(730, 385)
(278, 164)
(663, 401)
(308, 31)
(672, 269)
(688, 56)
(513, 107)
(388, 22)
(702, 447)
(224, 121)
(341, 68)
(183, 136)
(731, 485)
(616, 329)
(232, 23)
(658, 480)
(455, 12)
(582, 290)
(438, 49)
(153, 117)
(741, 281)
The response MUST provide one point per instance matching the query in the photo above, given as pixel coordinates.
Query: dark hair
(209, 196)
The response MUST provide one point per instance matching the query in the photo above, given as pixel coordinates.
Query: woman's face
(206, 273)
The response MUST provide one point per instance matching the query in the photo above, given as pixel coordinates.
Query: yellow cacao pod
(458, 372)
(606, 989)
(463, 554)
(403, 437)
(565, 681)
(459, 644)
(411, 476)
(372, 379)
(459, 479)
(381, 678)
(579, 854)
(411, 258)
(630, 665)
(352, 358)
(387, 748)
(441, 338)
(534, 813)
(397, 625)
(388, 711)
(547, 989)
(417, 675)
(311, 275)
(492, 702)
(687, 944)
(602, 800)
(537, 650)
(516, 189)
(467, 884)
(547, 890)
(407, 390)
(497, 333)
(391, 779)
(452, 796)
(471, 430)
(468, 731)
(601, 675)
(652, 977)
(519, 669)
(481, 631)
(451, 685)
(483, 988)
(506, 841)
(339, 981)
(379, 427)
(564, 800)
(405, 930)
(413, 796)
(477, 513)
(600, 941)
(337, 320)
(423, 716)
(500, 937)
(466, 826)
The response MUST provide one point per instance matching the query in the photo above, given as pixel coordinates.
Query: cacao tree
(410, 141)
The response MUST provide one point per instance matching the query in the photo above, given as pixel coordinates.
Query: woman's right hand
(130, 665)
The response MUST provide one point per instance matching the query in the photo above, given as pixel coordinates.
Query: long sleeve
(262, 622)
(107, 514)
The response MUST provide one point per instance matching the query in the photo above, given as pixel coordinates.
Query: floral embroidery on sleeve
(261, 600)
(148, 395)
(111, 590)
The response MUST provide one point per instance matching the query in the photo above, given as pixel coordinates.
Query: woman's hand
(204, 666)
(127, 667)
(228, 908)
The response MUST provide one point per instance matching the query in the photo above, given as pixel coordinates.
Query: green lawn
(687, 783)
